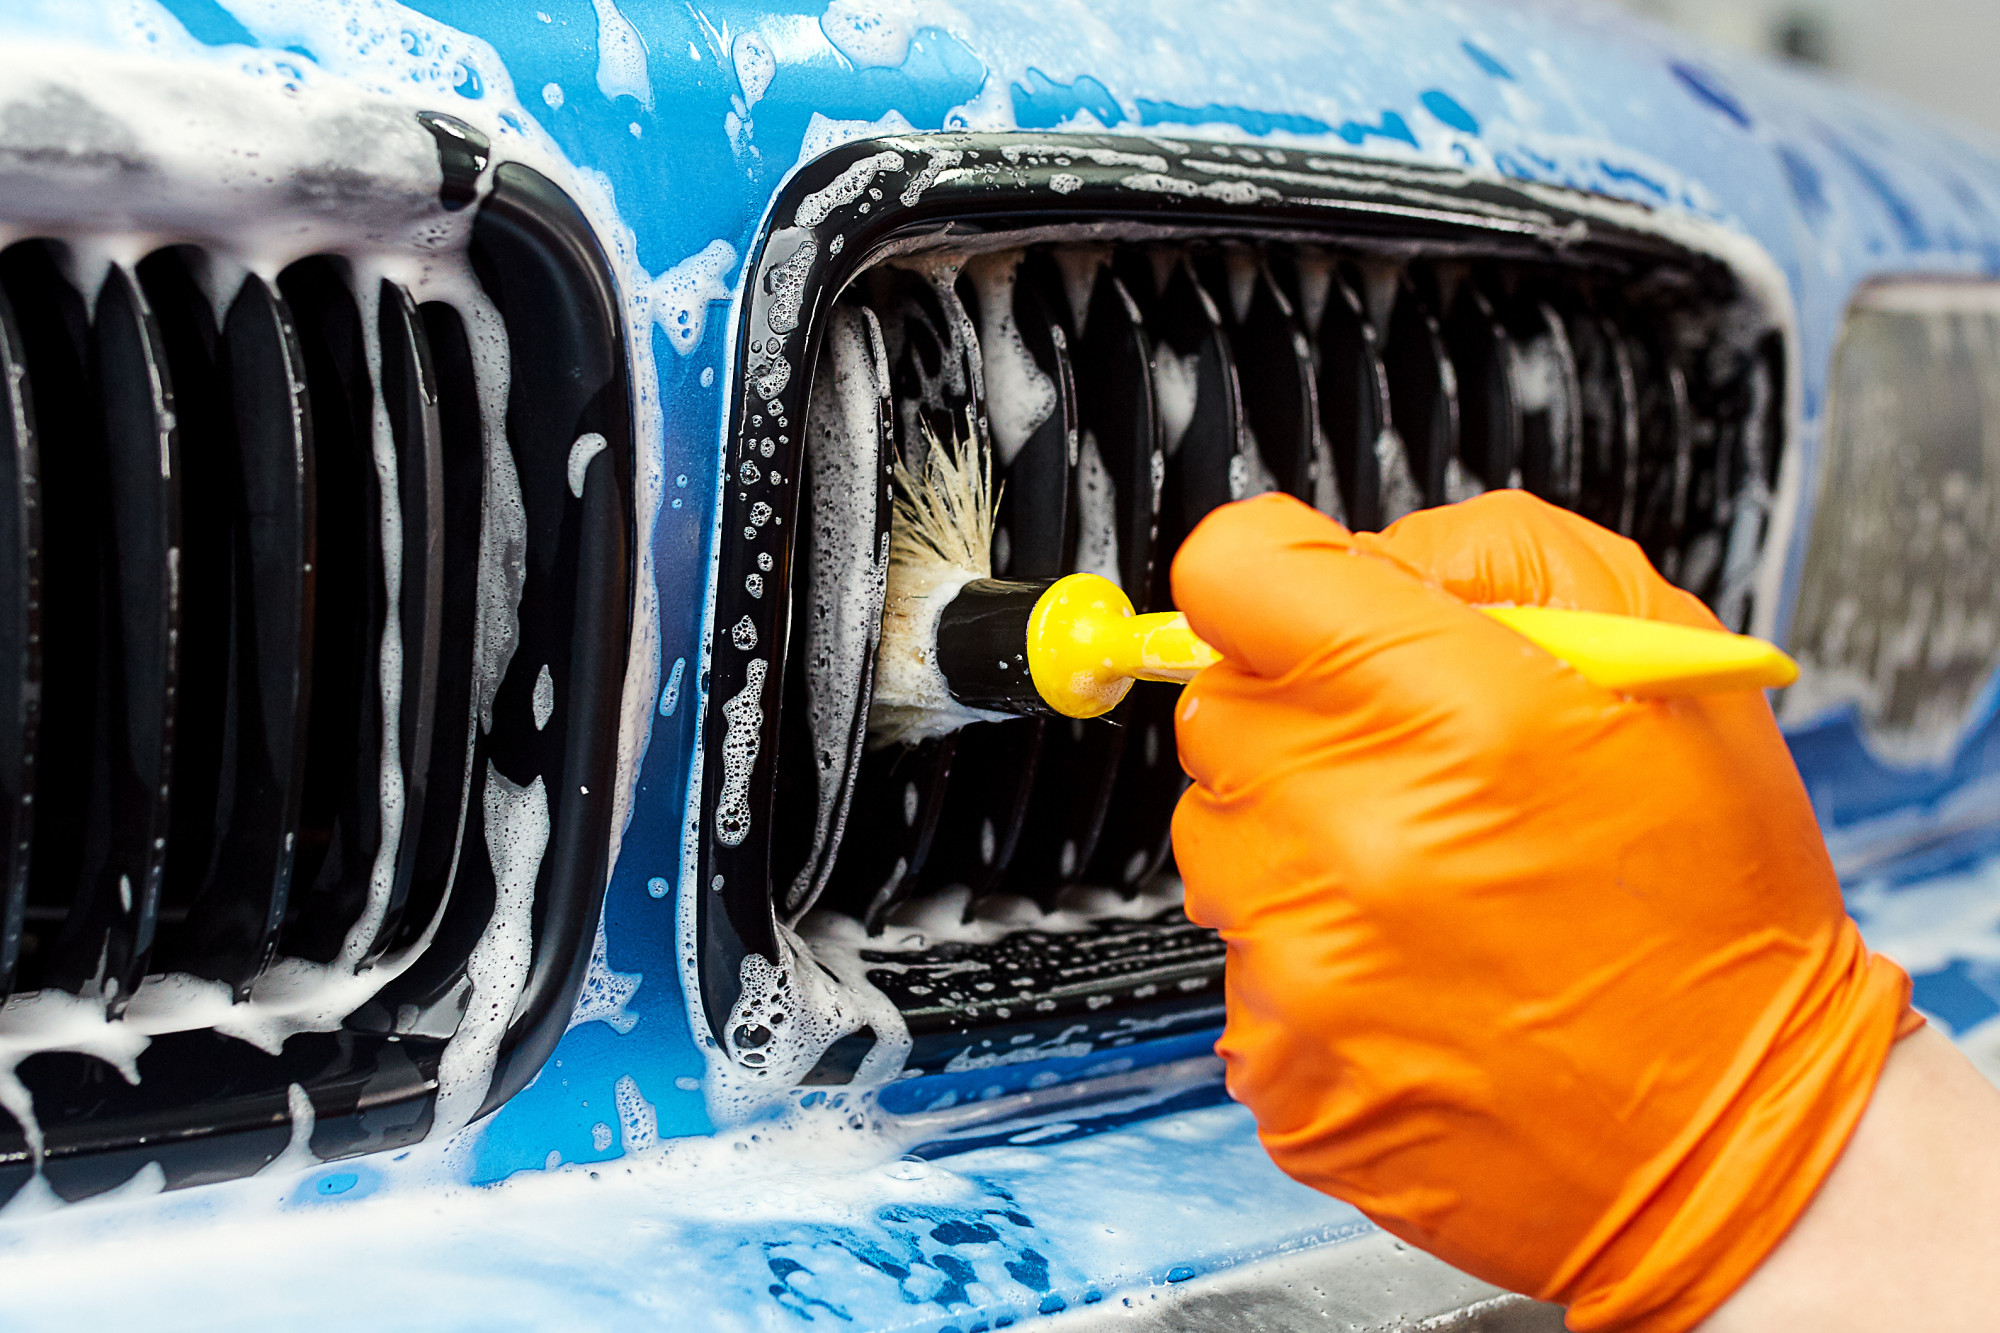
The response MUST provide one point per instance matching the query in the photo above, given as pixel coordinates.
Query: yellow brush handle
(1085, 647)
(1649, 659)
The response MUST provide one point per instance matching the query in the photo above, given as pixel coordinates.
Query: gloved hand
(1553, 984)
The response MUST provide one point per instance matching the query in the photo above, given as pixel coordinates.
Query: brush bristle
(940, 539)
(944, 515)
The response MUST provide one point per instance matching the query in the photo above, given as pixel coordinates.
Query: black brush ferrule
(982, 647)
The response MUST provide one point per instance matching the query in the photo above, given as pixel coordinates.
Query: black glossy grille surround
(192, 599)
(1214, 320)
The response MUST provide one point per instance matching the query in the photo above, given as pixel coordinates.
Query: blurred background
(1939, 54)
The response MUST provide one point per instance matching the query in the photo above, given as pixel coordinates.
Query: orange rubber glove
(1551, 983)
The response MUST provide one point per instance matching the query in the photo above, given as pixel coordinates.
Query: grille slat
(439, 831)
(852, 420)
(54, 332)
(1374, 473)
(20, 647)
(1608, 421)
(1280, 395)
(1423, 397)
(409, 392)
(1551, 448)
(340, 822)
(114, 911)
(265, 590)
(1489, 413)
(209, 491)
(1666, 455)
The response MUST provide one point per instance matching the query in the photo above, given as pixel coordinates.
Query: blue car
(446, 879)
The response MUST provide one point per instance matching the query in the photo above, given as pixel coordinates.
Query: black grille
(198, 591)
(1200, 325)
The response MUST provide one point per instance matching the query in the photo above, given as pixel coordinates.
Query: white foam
(389, 649)
(743, 736)
(1176, 389)
(845, 188)
(638, 1123)
(1020, 395)
(586, 447)
(1399, 491)
(877, 33)
(824, 133)
(1079, 265)
(755, 66)
(517, 834)
(678, 299)
(606, 993)
(621, 57)
(1097, 514)
(545, 698)
(1326, 482)
(786, 1017)
(670, 697)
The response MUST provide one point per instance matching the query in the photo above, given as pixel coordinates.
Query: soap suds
(1097, 514)
(587, 447)
(744, 714)
(621, 57)
(1177, 390)
(847, 187)
(678, 299)
(755, 66)
(606, 993)
(544, 701)
(517, 833)
(785, 1018)
(1020, 396)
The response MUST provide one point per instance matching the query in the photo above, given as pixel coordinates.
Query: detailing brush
(960, 646)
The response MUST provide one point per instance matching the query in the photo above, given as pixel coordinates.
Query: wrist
(1903, 1231)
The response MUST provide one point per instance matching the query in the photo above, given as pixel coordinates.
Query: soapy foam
(586, 447)
(545, 698)
(1097, 513)
(1021, 396)
(786, 1017)
(1326, 482)
(744, 714)
(1400, 494)
(606, 993)
(847, 187)
(389, 652)
(755, 66)
(517, 834)
(638, 1123)
(1176, 389)
(621, 57)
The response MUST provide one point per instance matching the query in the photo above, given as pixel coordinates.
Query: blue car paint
(1834, 188)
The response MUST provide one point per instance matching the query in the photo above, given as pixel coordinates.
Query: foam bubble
(744, 713)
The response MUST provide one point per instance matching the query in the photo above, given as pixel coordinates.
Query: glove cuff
(1686, 1234)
